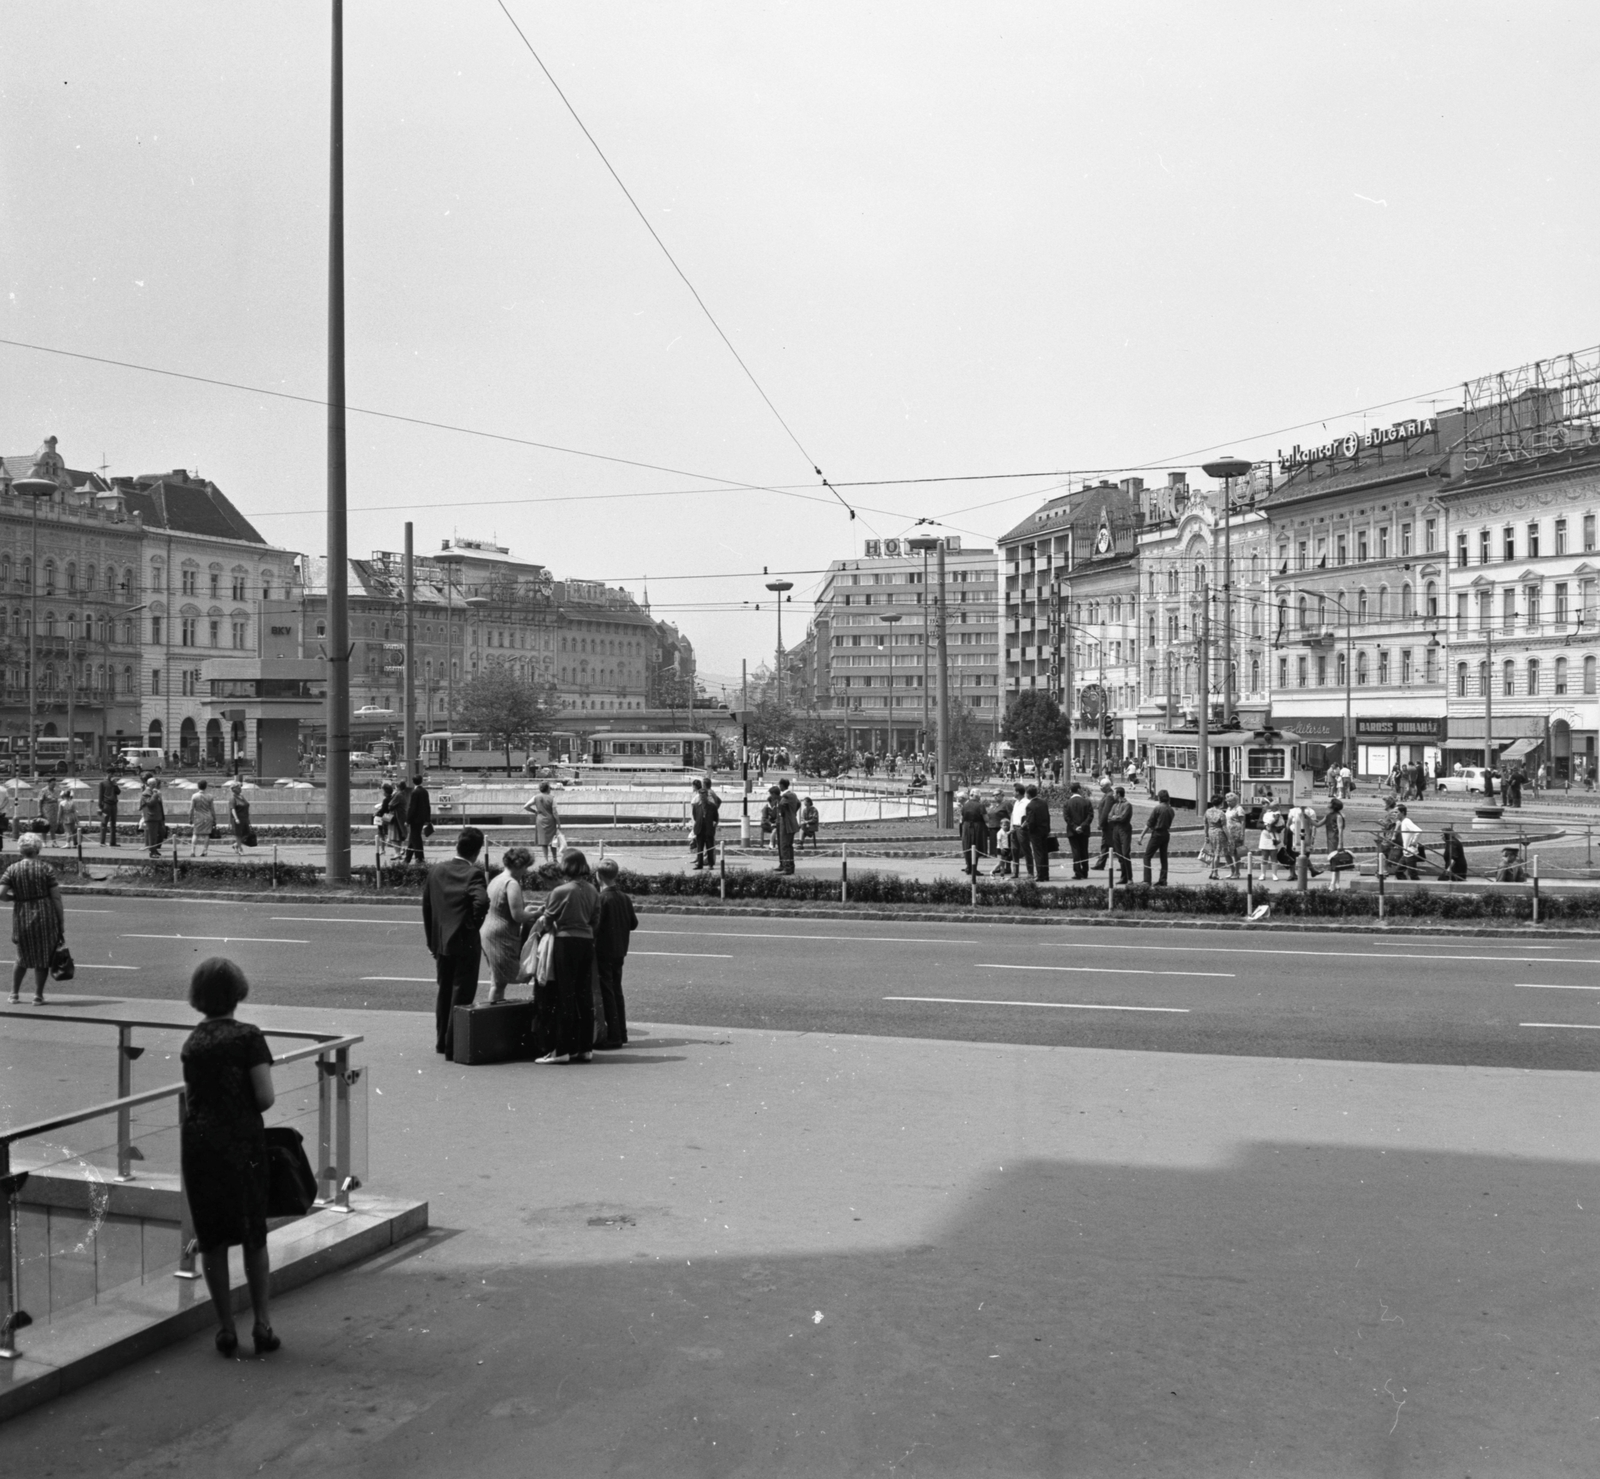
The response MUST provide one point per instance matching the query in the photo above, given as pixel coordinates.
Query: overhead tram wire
(682, 275)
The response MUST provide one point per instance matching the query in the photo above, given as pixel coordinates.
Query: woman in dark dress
(227, 1072)
(571, 913)
(38, 920)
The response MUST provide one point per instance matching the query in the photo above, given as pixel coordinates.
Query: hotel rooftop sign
(1351, 446)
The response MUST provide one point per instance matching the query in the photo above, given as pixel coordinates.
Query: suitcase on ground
(491, 1034)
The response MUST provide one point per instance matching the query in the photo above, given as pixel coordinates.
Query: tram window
(1265, 765)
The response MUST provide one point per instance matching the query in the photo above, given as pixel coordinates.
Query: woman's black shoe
(266, 1341)
(227, 1342)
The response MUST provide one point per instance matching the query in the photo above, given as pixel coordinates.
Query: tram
(1254, 763)
(662, 751)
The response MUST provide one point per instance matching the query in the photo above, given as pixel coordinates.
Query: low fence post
(722, 870)
(844, 874)
(78, 838)
(1249, 884)
(972, 855)
(344, 1181)
(174, 859)
(126, 1053)
(325, 1168)
(1111, 880)
(188, 1244)
(1382, 902)
(274, 864)
(1534, 875)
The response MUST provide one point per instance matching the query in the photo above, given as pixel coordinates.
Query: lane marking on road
(85, 966)
(224, 939)
(682, 954)
(1105, 970)
(1573, 1026)
(1065, 1006)
(848, 939)
(1546, 986)
(1335, 954)
(417, 980)
(317, 919)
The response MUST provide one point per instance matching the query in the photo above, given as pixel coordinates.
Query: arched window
(1508, 679)
(1407, 609)
(1432, 597)
(1483, 678)
(1255, 675)
(1361, 669)
(5, 570)
(1383, 602)
(27, 573)
(49, 623)
(49, 577)
(1172, 582)
(88, 579)
(72, 626)
(1361, 607)
(127, 582)
(1461, 680)
(1322, 611)
(72, 576)
(1301, 612)
(1561, 675)
(1533, 677)
(1283, 614)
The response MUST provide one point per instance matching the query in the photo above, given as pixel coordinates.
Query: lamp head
(1227, 467)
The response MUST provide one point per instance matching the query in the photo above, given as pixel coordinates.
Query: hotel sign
(1350, 446)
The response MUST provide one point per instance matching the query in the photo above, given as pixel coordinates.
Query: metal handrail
(38, 1016)
(149, 1096)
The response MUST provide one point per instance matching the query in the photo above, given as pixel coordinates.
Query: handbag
(1341, 859)
(250, 837)
(543, 954)
(1052, 843)
(559, 841)
(291, 1187)
(62, 967)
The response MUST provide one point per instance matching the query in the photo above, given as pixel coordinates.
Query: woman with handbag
(227, 1076)
(571, 914)
(153, 814)
(501, 931)
(546, 822)
(238, 815)
(38, 917)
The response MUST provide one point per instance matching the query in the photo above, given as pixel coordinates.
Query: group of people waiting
(469, 920)
(402, 819)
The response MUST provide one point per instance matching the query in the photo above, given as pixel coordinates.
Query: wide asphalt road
(1409, 999)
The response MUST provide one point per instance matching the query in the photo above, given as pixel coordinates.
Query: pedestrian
(1233, 820)
(380, 817)
(1347, 782)
(202, 821)
(419, 819)
(227, 1077)
(546, 822)
(769, 816)
(1120, 817)
(1078, 816)
(703, 819)
(1333, 826)
(1021, 851)
(153, 816)
(570, 914)
(1454, 856)
(809, 822)
(788, 825)
(38, 917)
(500, 934)
(50, 810)
(992, 812)
(1511, 869)
(974, 832)
(1270, 843)
(1004, 848)
(616, 923)
(108, 796)
(69, 819)
(1036, 825)
(238, 816)
(1216, 834)
(1410, 844)
(455, 900)
(1103, 822)
(1158, 837)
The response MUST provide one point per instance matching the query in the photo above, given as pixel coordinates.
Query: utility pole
(1227, 468)
(337, 807)
(1488, 702)
(408, 706)
(1063, 637)
(946, 811)
(927, 618)
(1202, 785)
(778, 587)
(744, 746)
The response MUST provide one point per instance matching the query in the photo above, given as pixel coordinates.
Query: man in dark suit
(1079, 817)
(109, 796)
(419, 817)
(788, 825)
(1037, 820)
(455, 900)
(1158, 836)
(1102, 816)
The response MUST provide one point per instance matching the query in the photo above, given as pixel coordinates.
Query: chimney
(1132, 486)
(1177, 479)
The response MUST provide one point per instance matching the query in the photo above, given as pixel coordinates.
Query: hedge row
(887, 888)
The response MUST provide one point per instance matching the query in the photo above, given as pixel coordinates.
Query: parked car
(1470, 779)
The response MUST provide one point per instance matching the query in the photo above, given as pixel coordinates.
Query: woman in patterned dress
(202, 821)
(227, 1075)
(501, 932)
(38, 918)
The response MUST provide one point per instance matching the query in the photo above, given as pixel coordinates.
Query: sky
(948, 242)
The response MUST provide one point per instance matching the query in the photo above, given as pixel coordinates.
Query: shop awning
(1518, 749)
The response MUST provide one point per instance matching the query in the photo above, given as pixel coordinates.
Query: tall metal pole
(1064, 637)
(1202, 784)
(927, 620)
(1488, 703)
(33, 650)
(946, 811)
(890, 621)
(408, 707)
(744, 746)
(1348, 748)
(337, 826)
(1227, 602)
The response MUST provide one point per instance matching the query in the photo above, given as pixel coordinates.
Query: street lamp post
(778, 587)
(890, 622)
(1227, 468)
(926, 544)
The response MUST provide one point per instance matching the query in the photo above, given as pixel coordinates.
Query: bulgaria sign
(1349, 446)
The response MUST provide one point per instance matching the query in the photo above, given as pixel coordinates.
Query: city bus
(661, 751)
(50, 753)
(1247, 763)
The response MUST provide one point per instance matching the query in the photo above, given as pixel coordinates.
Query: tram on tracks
(1249, 763)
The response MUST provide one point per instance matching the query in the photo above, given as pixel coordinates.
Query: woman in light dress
(202, 821)
(1271, 836)
(501, 931)
(546, 821)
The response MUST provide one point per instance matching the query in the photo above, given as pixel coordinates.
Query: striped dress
(35, 925)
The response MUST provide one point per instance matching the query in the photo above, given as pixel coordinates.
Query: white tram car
(1250, 764)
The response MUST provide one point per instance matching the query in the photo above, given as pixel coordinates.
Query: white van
(146, 759)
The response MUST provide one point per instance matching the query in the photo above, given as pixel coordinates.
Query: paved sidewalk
(748, 1253)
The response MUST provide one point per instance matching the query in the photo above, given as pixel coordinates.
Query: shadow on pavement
(1297, 1311)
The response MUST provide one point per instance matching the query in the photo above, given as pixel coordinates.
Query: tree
(506, 710)
(968, 741)
(770, 725)
(821, 751)
(1036, 728)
